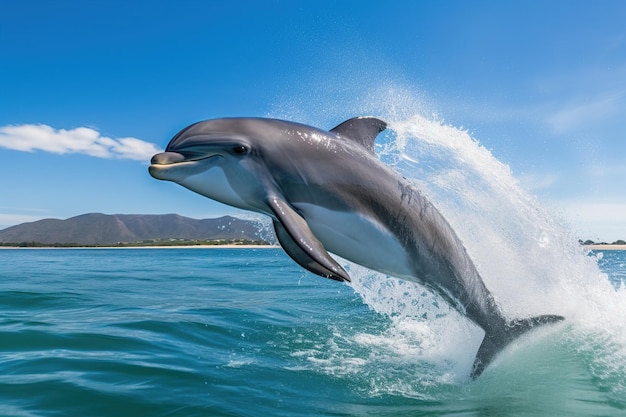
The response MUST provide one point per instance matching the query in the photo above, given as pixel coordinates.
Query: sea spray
(422, 327)
(527, 257)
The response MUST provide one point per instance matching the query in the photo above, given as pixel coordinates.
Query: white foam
(528, 259)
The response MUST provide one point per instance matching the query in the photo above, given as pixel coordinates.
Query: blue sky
(89, 89)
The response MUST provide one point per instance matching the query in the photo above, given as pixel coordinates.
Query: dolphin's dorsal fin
(361, 129)
(297, 239)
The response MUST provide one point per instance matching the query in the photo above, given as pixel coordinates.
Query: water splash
(528, 258)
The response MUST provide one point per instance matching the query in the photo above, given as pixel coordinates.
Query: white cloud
(82, 140)
(579, 114)
(613, 172)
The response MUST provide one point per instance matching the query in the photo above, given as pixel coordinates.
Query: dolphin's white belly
(358, 239)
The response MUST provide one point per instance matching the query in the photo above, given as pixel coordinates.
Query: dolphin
(327, 191)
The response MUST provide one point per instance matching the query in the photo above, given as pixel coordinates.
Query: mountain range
(104, 229)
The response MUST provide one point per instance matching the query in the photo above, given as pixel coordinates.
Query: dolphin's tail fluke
(493, 343)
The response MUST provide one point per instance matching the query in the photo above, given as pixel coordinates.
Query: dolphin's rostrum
(327, 191)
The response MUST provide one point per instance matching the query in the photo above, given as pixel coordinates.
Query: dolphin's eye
(240, 150)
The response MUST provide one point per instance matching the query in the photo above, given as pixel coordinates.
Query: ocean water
(247, 332)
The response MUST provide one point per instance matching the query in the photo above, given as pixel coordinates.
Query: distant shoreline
(228, 246)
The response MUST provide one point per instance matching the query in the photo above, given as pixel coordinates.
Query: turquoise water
(245, 332)
(219, 332)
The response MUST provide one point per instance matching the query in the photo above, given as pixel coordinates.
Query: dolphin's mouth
(164, 162)
(167, 158)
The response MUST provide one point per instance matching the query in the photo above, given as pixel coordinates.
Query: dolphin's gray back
(359, 182)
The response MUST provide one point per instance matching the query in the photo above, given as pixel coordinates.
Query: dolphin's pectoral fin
(493, 344)
(297, 239)
(361, 129)
(304, 259)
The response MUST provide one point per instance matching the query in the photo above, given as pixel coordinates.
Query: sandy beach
(199, 247)
(151, 247)
(606, 247)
